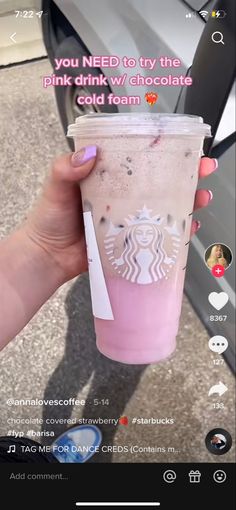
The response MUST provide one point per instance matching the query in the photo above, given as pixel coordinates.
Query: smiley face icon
(219, 476)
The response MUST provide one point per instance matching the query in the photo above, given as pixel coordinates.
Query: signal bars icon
(191, 14)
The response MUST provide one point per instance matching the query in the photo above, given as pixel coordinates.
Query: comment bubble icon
(218, 344)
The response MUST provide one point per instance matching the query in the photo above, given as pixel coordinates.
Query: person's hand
(203, 196)
(223, 262)
(56, 223)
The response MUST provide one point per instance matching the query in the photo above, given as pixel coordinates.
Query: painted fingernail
(215, 163)
(83, 155)
(197, 224)
(210, 195)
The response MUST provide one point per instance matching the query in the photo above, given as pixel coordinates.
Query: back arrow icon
(12, 37)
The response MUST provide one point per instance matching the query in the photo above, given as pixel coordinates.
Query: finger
(196, 225)
(67, 171)
(76, 166)
(202, 198)
(207, 167)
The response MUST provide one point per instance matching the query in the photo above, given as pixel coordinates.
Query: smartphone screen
(117, 253)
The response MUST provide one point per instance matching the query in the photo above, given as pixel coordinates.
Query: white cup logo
(143, 258)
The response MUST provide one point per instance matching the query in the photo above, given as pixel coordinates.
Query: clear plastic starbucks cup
(137, 207)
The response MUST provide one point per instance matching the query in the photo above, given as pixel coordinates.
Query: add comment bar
(153, 504)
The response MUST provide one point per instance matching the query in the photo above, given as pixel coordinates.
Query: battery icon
(218, 14)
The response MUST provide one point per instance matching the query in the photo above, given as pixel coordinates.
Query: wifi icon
(203, 13)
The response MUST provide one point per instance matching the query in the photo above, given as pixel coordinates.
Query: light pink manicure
(197, 225)
(210, 195)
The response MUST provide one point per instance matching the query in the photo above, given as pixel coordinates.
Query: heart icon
(151, 98)
(218, 299)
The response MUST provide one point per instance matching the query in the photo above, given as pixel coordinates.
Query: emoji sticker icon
(123, 420)
(151, 98)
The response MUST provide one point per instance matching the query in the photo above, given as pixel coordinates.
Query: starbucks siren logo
(142, 258)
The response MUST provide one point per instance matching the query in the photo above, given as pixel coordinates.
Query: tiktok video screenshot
(117, 256)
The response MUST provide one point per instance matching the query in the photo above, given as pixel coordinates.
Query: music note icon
(12, 448)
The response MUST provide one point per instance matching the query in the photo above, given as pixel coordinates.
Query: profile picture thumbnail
(218, 254)
(218, 441)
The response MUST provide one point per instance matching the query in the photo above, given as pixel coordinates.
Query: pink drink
(138, 204)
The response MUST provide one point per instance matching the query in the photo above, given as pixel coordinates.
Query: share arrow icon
(219, 389)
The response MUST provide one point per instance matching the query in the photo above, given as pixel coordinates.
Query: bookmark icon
(100, 299)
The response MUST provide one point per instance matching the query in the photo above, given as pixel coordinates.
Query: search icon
(217, 37)
(169, 476)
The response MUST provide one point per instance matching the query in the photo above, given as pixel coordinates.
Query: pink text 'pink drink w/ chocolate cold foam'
(137, 207)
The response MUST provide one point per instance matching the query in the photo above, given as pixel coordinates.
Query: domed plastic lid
(115, 124)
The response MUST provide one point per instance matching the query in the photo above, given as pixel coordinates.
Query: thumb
(61, 186)
(72, 168)
(83, 161)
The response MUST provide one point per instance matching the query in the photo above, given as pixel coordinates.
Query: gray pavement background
(55, 356)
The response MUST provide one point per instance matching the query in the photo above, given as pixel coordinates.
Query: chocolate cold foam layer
(131, 173)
